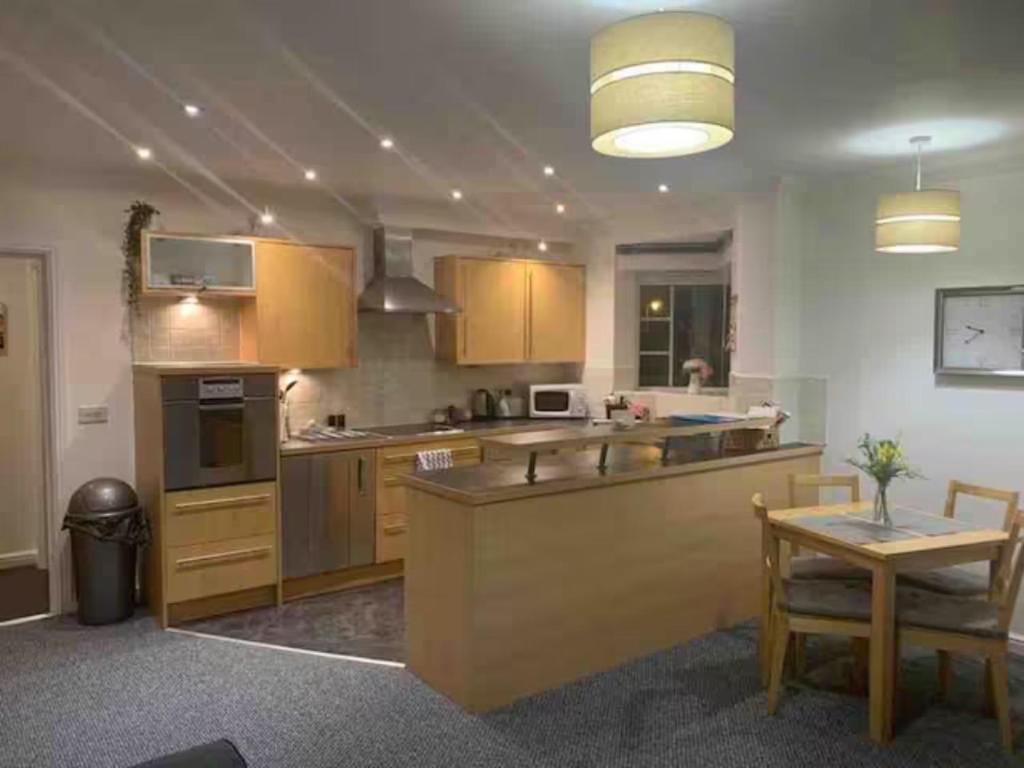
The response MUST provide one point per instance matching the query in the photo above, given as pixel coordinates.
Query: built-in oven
(219, 430)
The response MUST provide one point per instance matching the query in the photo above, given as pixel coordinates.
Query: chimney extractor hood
(391, 287)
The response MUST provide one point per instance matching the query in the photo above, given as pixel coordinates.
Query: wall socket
(93, 414)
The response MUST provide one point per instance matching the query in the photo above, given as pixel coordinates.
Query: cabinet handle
(360, 477)
(394, 530)
(184, 507)
(202, 561)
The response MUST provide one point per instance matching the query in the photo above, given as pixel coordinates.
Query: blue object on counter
(701, 418)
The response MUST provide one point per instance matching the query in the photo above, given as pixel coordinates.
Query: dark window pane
(654, 335)
(653, 370)
(699, 325)
(655, 301)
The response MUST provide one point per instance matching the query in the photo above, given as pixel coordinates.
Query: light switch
(93, 414)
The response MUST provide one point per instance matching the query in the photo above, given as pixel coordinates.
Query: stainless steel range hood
(392, 287)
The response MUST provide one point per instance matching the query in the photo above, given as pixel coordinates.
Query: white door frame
(50, 340)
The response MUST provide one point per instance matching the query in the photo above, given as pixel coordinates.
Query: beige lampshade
(662, 85)
(927, 221)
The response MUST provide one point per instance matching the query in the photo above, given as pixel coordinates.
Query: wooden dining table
(916, 541)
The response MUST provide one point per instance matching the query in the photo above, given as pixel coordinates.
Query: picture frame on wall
(979, 331)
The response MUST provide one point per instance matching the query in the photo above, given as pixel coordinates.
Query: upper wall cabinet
(304, 315)
(184, 264)
(513, 311)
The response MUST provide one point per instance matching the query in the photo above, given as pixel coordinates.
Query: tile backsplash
(166, 330)
(398, 380)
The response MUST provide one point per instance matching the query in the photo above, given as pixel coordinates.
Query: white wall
(867, 321)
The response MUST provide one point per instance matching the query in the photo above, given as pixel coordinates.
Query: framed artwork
(980, 331)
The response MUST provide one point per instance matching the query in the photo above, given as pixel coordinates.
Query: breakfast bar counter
(515, 586)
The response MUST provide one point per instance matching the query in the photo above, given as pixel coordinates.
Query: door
(556, 297)
(493, 311)
(24, 578)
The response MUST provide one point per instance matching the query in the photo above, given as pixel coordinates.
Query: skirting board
(19, 559)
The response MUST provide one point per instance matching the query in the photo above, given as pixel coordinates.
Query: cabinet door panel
(295, 516)
(557, 311)
(363, 511)
(493, 319)
(305, 306)
(331, 528)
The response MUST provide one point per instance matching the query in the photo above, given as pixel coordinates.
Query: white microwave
(558, 401)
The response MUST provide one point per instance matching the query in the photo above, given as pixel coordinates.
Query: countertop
(505, 479)
(404, 434)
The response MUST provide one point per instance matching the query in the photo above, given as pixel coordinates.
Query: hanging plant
(140, 214)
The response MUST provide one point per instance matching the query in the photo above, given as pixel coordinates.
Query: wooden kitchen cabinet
(304, 313)
(327, 512)
(392, 514)
(513, 311)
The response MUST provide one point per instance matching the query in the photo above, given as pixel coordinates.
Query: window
(679, 322)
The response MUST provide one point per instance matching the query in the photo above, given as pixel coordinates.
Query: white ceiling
(480, 94)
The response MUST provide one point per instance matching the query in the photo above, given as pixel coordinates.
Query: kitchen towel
(437, 459)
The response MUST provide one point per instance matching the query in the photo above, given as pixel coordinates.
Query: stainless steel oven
(219, 430)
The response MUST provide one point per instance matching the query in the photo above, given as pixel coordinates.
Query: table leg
(883, 651)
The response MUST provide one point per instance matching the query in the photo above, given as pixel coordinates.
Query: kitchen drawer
(392, 534)
(215, 514)
(392, 462)
(216, 568)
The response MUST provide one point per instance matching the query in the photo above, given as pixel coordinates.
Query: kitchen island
(515, 585)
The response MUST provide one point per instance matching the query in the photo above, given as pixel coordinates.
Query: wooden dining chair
(956, 580)
(821, 566)
(951, 623)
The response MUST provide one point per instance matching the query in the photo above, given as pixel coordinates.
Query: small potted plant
(884, 461)
(699, 371)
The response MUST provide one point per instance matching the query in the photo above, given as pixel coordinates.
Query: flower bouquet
(884, 461)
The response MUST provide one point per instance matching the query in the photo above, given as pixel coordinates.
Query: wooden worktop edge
(584, 482)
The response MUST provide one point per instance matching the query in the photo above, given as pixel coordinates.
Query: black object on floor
(216, 754)
(368, 622)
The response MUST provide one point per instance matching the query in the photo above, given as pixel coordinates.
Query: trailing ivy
(140, 214)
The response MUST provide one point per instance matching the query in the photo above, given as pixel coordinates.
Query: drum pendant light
(662, 85)
(922, 221)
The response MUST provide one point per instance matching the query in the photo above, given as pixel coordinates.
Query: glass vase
(881, 515)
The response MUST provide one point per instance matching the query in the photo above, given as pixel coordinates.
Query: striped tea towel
(438, 459)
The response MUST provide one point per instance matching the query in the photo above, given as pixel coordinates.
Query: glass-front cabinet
(186, 264)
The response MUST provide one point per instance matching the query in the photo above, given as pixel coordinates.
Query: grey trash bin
(107, 527)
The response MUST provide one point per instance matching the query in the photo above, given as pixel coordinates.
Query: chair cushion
(832, 598)
(827, 568)
(964, 615)
(948, 581)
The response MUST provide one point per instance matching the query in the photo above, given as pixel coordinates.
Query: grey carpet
(112, 696)
(368, 622)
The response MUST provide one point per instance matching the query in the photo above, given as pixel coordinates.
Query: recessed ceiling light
(549, 170)
(559, 208)
(144, 153)
(310, 174)
(266, 217)
(542, 246)
(663, 188)
(456, 194)
(192, 110)
(387, 143)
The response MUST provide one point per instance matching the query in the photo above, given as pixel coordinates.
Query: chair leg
(945, 673)
(779, 646)
(999, 681)
(765, 630)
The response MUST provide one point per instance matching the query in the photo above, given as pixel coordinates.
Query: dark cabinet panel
(328, 510)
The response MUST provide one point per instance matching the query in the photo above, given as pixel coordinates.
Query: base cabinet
(327, 512)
